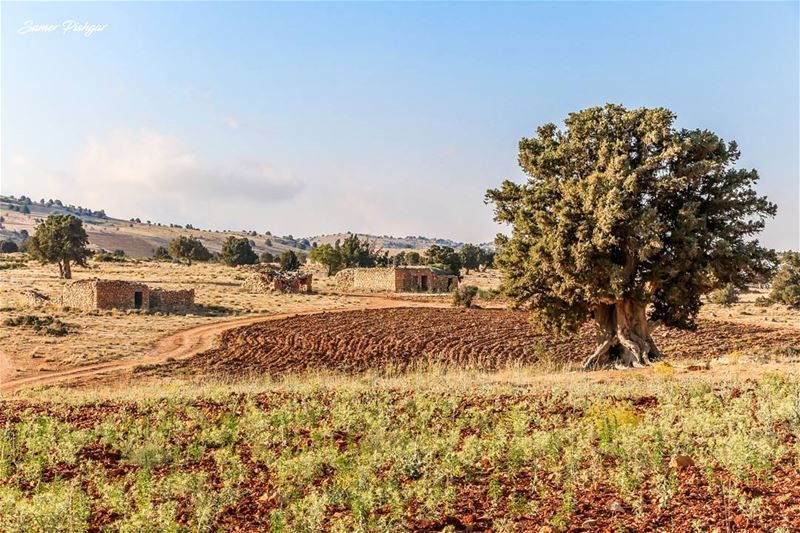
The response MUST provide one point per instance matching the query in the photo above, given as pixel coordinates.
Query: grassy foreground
(423, 452)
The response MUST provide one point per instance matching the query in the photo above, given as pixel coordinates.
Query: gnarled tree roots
(624, 336)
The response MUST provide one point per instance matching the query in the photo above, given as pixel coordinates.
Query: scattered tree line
(23, 203)
(235, 251)
(354, 252)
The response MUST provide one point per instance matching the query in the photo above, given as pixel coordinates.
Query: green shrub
(463, 296)
(289, 261)
(727, 295)
(106, 257)
(786, 283)
(46, 325)
(160, 253)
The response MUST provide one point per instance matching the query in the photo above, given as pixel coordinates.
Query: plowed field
(407, 338)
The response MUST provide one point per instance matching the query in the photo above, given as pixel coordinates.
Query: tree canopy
(8, 247)
(237, 251)
(786, 283)
(444, 256)
(328, 256)
(60, 239)
(188, 248)
(470, 256)
(289, 260)
(352, 252)
(621, 210)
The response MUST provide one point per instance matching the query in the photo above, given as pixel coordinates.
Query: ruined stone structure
(172, 299)
(277, 281)
(114, 294)
(396, 279)
(34, 298)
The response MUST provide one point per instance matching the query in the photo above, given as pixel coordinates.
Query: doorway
(423, 283)
(137, 299)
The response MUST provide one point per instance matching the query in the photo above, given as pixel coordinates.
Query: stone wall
(394, 279)
(278, 281)
(34, 298)
(344, 279)
(113, 294)
(375, 279)
(79, 294)
(180, 298)
(419, 278)
(91, 294)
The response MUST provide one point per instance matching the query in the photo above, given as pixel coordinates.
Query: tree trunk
(624, 336)
(66, 272)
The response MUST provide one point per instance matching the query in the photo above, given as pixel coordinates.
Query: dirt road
(184, 344)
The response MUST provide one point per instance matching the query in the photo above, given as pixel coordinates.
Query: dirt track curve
(182, 345)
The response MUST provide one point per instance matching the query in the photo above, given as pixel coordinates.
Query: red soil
(406, 338)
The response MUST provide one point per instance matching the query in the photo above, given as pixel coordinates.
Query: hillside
(139, 238)
(389, 242)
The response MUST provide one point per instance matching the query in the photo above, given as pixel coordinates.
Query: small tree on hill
(160, 253)
(188, 249)
(60, 239)
(470, 256)
(289, 260)
(786, 283)
(266, 257)
(621, 211)
(8, 247)
(237, 251)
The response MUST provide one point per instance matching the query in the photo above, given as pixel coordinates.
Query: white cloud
(146, 173)
(232, 122)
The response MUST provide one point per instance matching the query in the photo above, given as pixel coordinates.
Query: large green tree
(470, 256)
(625, 218)
(60, 239)
(237, 251)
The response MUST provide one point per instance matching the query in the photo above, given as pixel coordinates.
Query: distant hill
(138, 238)
(388, 242)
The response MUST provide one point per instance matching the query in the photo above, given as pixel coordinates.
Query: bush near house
(786, 283)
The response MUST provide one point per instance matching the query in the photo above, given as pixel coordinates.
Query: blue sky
(389, 118)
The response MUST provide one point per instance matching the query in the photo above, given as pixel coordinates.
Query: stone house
(91, 294)
(396, 279)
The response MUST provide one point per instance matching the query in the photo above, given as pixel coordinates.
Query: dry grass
(107, 335)
(111, 335)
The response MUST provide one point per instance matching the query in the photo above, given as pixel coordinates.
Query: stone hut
(91, 294)
(396, 279)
